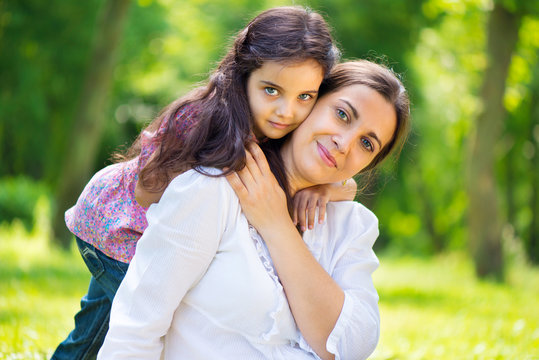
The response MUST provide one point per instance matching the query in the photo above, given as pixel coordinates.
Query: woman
(204, 285)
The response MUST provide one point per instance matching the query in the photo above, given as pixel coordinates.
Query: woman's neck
(295, 181)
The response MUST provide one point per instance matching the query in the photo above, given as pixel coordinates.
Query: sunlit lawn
(430, 308)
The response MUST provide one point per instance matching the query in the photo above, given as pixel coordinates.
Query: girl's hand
(307, 200)
(262, 199)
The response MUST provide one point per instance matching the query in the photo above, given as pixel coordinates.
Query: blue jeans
(92, 321)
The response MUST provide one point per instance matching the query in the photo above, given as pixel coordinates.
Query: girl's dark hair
(223, 125)
(359, 72)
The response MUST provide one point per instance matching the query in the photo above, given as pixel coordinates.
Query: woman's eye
(271, 91)
(342, 115)
(305, 97)
(367, 144)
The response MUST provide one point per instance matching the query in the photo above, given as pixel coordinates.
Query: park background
(459, 211)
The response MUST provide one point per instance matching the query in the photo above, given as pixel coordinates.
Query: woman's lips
(326, 156)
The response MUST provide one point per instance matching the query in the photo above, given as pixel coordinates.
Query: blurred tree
(43, 46)
(532, 244)
(484, 217)
(90, 114)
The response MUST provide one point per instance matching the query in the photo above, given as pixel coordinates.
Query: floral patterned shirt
(106, 214)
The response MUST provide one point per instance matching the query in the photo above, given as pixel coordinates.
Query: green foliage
(43, 50)
(19, 197)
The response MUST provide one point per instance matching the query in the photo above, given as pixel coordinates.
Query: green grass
(40, 289)
(430, 308)
(437, 309)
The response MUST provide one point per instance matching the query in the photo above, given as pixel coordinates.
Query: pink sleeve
(183, 121)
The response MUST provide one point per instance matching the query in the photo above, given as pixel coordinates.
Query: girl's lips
(279, 125)
(326, 156)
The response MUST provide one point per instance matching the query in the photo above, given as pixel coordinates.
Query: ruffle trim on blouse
(265, 258)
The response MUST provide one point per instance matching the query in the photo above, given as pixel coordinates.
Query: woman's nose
(342, 142)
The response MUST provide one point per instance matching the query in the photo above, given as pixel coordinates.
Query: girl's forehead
(306, 76)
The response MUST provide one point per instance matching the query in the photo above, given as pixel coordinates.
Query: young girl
(265, 85)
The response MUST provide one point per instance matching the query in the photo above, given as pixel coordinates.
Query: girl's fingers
(295, 210)
(311, 210)
(302, 209)
(322, 211)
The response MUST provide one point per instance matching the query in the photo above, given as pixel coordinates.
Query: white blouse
(202, 284)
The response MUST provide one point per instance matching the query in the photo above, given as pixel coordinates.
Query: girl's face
(341, 136)
(282, 95)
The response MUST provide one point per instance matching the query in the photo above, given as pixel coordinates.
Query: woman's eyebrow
(373, 135)
(266, 82)
(354, 111)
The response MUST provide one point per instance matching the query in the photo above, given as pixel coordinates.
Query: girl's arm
(315, 299)
(308, 200)
(145, 197)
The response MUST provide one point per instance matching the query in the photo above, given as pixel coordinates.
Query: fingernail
(303, 228)
(310, 227)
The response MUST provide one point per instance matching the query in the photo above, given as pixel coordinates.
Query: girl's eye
(342, 115)
(271, 91)
(305, 97)
(367, 144)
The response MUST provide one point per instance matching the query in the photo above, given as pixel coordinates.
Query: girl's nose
(285, 109)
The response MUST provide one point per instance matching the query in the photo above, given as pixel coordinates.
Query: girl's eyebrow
(355, 113)
(278, 87)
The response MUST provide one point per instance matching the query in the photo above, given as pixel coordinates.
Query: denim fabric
(92, 321)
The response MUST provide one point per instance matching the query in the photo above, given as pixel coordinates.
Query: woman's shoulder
(192, 177)
(353, 221)
(352, 211)
(205, 180)
(202, 190)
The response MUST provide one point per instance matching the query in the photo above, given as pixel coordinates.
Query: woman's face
(282, 95)
(342, 135)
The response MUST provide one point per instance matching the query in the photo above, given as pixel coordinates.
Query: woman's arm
(315, 299)
(182, 237)
(308, 200)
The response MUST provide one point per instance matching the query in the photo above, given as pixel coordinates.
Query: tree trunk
(484, 218)
(532, 245)
(90, 114)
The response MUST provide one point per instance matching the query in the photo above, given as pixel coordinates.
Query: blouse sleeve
(183, 235)
(352, 229)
